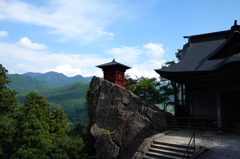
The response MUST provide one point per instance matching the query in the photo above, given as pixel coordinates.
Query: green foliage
(25, 84)
(72, 146)
(170, 86)
(130, 83)
(58, 122)
(7, 133)
(168, 63)
(149, 89)
(8, 112)
(70, 98)
(79, 129)
(105, 133)
(3, 77)
(179, 54)
(32, 131)
(8, 100)
(42, 134)
(33, 137)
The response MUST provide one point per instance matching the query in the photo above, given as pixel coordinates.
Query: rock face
(120, 120)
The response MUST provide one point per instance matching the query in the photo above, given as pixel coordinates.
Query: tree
(8, 100)
(170, 63)
(58, 123)
(31, 130)
(43, 135)
(179, 54)
(33, 137)
(79, 129)
(8, 113)
(150, 89)
(171, 86)
(7, 133)
(3, 77)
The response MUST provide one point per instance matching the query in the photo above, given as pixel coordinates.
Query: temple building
(207, 79)
(114, 72)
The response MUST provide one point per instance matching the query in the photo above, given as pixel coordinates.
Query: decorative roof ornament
(235, 27)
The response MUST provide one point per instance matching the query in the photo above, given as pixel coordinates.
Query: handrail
(190, 144)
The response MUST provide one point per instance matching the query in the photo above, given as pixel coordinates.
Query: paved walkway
(221, 146)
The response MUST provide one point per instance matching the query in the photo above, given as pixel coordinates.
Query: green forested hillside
(32, 131)
(58, 79)
(70, 98)
(24, 84)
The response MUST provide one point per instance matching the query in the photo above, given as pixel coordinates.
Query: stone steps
(163, 150)
(172, 122)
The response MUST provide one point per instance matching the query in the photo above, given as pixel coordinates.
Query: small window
(182, 95)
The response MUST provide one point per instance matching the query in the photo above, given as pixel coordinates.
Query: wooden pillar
(190, 101)
(175, 98)
(219, 110)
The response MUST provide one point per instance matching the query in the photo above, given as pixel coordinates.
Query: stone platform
(218, 145)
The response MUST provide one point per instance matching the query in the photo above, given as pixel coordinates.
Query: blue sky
(73, 36)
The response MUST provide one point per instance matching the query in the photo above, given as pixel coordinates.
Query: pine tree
(8, 113)
(33, 139)
(31, 131)
(58, 124)
(8, 100)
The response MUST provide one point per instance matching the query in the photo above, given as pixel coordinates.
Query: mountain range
(59, 90)
(58, 79)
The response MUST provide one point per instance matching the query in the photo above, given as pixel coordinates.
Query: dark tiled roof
(113, 63)
(208, 55)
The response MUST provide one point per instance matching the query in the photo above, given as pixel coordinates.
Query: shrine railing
(191, 144)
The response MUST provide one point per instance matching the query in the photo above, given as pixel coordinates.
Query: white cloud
(19, 59)
(140, 71)
(126, 54)
(154, 50)
(67, 69)
(3, 34)
(70, 71)
(29, 44)
(146, 69)
(80, 20)
(143, 60)
(125, 50)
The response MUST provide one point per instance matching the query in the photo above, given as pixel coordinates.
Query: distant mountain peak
(57, 79)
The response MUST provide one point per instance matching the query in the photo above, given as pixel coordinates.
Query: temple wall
(204, 104)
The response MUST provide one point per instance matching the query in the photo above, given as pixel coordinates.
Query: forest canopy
(32, 131)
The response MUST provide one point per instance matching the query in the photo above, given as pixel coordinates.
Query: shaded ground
(221, 146)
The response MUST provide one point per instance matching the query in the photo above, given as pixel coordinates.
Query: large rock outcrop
(120, 120)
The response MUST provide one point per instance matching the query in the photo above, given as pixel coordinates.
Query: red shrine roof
(113, 63)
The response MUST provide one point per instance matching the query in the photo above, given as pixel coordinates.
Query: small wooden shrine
(114, 72)
(206, 79)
